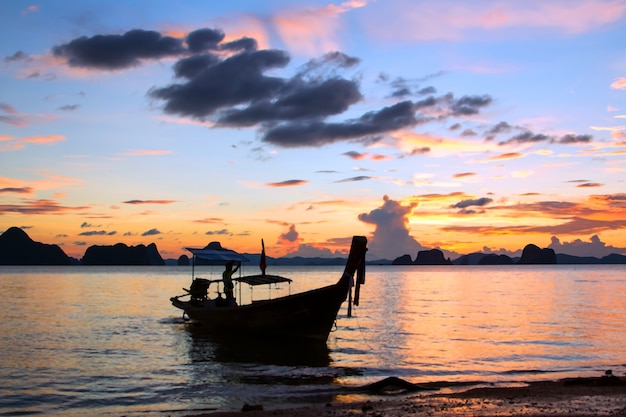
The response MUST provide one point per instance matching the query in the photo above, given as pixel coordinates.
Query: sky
(476, 126)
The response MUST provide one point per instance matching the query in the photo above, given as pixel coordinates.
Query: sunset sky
(464, 126)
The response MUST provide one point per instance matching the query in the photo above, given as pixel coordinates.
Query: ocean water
(105, 341)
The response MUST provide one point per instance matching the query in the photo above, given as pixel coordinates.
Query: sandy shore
(602, 396)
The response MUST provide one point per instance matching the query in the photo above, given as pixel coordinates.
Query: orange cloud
(44, 140)
(38, 207)
(464, 175)
(505, 156)
(149, 201)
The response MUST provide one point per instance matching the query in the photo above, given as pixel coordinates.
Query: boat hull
(308, 315)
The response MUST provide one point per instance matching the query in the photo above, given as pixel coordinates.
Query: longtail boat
(306, 315)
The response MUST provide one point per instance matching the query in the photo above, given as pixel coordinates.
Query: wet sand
(602, 396)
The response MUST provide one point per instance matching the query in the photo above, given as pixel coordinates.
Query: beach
(601, 396)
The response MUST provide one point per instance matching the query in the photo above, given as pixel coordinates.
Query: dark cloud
(17, 190)
(151, 232)
(355, 155)
(112, 52)
(85, 225)
(388, 119)
(18, 56)
(290, 236)
(472, 202)
(97, 233)
(526, 137)
(571, 138)
(236, 80)
(234, 88)
(69, 107)
(502, 127)
(302, 101)
(469, 105)
(354, 179)
(426, 90)
(530, 137)
(218, 232)
(205, 39)
(149, 201)
(243, 44)
(288, 183)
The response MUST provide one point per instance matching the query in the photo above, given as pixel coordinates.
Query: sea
(106, 341)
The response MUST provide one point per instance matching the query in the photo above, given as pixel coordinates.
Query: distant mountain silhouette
(17, 248)
(120, 254)
(532, 254)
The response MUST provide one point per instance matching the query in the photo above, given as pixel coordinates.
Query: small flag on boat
(262, 262)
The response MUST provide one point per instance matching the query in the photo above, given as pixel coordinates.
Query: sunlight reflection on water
(102, 340)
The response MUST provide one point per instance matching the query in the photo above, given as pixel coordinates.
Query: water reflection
(204, 346)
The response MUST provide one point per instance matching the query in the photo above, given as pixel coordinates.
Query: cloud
(85, 225)
(595, 247)
(151, 232)
(619, 84)
(290, 236)
(210, 220)
(114, 52)
(589, 185)
(17, 190)
(288, 183)
(11, 116)
(149, 201)
(17, 57)
(472, 202)
(505, 156)
(458, 20)
(218, 232)
(355, 179)
(38, 207)
(69, 107)
(44, 140)
(313, 29)
(530, 137)
(464, 175)
(391, 236)
(97, 233)
(147, 152)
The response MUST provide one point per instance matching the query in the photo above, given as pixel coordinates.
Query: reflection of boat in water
(307, 315)
(228, 350)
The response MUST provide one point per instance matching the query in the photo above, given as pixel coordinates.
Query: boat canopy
(218, 256)
(262, 279)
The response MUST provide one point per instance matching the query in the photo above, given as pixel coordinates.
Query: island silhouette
(17, 248)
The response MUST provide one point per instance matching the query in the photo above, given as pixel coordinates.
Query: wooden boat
(307, 315)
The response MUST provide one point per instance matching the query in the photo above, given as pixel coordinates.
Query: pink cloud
(313, 31)
(619, 84)
(147, 152)
(458, 20)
